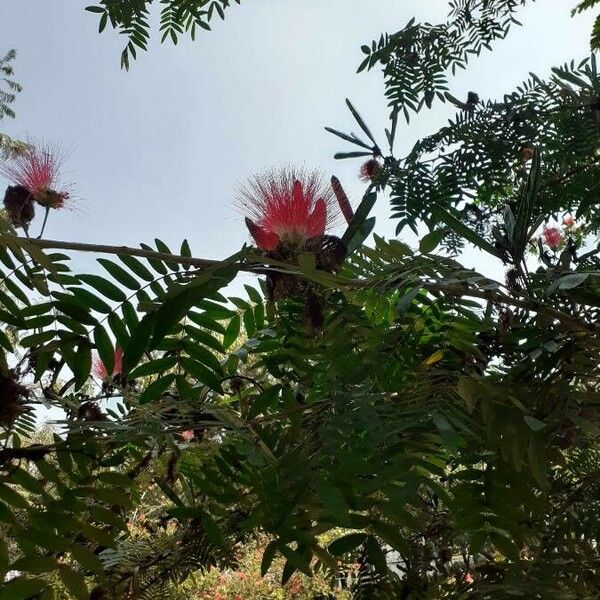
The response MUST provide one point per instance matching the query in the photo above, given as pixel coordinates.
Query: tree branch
(104, 249)
(265, 264)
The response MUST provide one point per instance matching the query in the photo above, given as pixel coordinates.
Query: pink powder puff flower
(287, 206)
(37, 169)
(369, 170)
(99, 369)
(568, 221)
(552, 237)
(187, 435)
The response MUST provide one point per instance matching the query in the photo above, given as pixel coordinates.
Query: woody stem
(261, 265)
(106, 249)
(44, 223)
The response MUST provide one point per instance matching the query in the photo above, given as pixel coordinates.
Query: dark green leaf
(346, 543)
(105, 348)
(22, 589)
(268, 556)
(120, 274)
(462, 230)
(232, 332)
(360, 216)
(136, 266)
(431, 241)
(108, 289)
(138, 343)
(153, 367)
(156, 388)
(74, 582)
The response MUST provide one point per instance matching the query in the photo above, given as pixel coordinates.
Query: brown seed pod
(314, 310)
(527, 152)
(19, 205)
(89, 411)
(329, 252)
(445, 554)
(99, 593)
(173, 467)
(13, 399)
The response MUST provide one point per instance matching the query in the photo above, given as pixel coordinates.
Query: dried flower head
(19, 205)
(472, 98)
(527, 152)
(90, 411)
(287, 206)
(552, 237)
(342, 199)
(13, 399)
(99, 368)
(37, 169)
(370, 170)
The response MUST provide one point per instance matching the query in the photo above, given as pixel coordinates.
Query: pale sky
(158, 151)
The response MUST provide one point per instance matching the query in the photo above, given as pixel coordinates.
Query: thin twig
(44, 223)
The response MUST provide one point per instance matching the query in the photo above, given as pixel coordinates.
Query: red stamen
(369, 170)
(99, 368)
(552, 237)
(37, 169)
(287, 206)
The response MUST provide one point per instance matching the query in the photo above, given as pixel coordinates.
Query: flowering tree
(364, 404)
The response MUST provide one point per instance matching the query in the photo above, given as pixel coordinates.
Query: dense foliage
(367, 412)
(585, 5)
(131, 18)
(9, 88)
(473, 25)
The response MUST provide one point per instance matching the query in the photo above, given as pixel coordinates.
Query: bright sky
(160, 150)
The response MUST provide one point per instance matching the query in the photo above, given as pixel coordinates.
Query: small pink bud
(568, 221)
(370, 170)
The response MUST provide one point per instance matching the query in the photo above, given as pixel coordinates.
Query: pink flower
(99, 369)
(37, 170)
(568, 221)
(287, 206)
(187, 435)
(370, 170)
(468, 578)
(552, 237)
